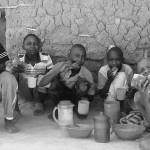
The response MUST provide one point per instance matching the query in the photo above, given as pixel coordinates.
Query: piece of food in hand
(75, 65)
(137, 78)
(114, 69)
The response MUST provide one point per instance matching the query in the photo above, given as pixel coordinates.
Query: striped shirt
(44, 63)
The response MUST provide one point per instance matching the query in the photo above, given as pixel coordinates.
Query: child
(72, 79)
(8, 90)
(108, 82)
(142, 97)
(108, 79)
(36, 63)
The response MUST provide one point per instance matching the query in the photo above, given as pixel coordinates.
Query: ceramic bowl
(128, 131)
(80, 130)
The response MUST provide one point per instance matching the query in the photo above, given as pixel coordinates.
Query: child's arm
(105, 89)
(144, 100)
(50, 75)
(56, 69)
(49, 64)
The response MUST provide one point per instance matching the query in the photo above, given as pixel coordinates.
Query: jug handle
(56, 120)
(112, 126)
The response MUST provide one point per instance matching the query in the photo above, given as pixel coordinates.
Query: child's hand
(130, 93)
(65, 66)
(110, 75)
(82, 84)
(143, 88)
(75, 66)
(18, 69)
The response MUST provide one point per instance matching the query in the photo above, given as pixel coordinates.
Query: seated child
(36, 64)
(108, 79)
(142, 97)
(71, 80)
(8, 90)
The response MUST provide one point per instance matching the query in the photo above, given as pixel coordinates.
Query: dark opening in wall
(2, 27)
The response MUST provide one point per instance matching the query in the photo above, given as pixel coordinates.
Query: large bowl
(128, 131)
(80, 130)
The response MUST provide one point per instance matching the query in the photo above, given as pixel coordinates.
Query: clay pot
(80, 130)
(128, 131)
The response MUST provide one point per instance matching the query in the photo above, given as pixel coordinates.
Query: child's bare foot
(50, 116)
(39, 109)
(81, 117)
(10, 126)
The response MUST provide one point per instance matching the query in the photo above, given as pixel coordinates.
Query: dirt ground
(38, 133)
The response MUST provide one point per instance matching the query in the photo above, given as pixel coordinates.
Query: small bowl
(128, 131)
(80, 130)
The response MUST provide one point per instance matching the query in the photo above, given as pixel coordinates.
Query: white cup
(83, 107)
(121, 93)
(32, 82)
(45, 58)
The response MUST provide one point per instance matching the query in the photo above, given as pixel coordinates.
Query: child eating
(72, 79)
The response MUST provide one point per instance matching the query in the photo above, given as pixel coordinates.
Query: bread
(114, 69)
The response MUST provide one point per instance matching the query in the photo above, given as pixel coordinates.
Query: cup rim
(84, 101)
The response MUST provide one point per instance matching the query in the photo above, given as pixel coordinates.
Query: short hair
(79, 46)
(117, 50)
(143, 60)
(33, 35)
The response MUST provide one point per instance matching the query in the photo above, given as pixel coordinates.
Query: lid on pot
(102, 117)
(65, 104)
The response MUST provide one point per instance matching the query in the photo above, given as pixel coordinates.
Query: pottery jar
(65, 114)
(102, 126)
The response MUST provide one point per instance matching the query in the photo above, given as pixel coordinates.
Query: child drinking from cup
(37, 64)
(72, 79)
(114, 75)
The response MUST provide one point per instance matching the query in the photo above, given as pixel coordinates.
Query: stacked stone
(94, 23)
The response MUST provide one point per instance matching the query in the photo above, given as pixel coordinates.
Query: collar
(27, 60)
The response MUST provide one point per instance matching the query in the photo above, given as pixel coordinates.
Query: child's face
(144, 67)
(114, 60)
(77, 55)
(31, 45)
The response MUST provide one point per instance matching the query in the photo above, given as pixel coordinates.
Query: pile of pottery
(103, 126)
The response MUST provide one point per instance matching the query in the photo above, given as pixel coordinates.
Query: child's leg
(119, 81)
(39, 101)
(24, 92)
(9, 89)
(81, 91)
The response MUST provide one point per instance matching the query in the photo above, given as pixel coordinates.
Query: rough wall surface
(93, 23)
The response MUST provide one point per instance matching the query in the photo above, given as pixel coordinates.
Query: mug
(83, 107)
(121, 93)
(112, 109)
(32, 82)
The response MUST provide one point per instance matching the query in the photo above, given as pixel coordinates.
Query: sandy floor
(38, 133)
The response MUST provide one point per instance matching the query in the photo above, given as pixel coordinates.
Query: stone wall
(93, 23)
